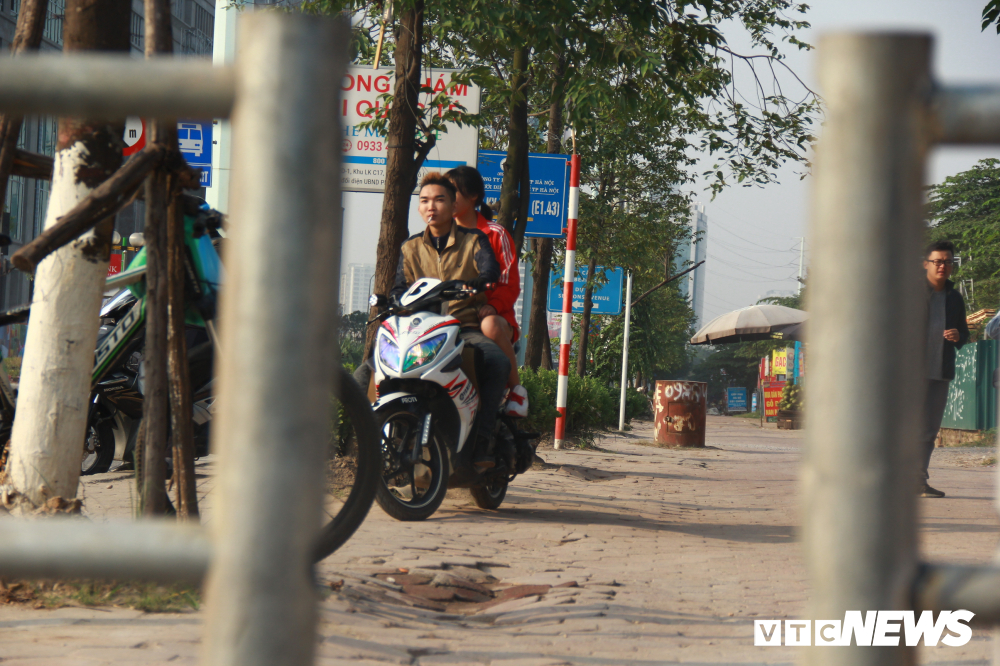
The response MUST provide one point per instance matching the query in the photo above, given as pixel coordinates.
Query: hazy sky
(752, 232)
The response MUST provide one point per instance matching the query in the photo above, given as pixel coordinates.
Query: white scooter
(427, 400)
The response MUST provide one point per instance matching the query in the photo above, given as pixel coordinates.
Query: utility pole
(802, 251)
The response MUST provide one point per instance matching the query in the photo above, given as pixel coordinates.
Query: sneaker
(927, 491)
(517, 402)
(482, 457)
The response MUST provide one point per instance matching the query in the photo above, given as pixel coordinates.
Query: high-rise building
(355, 287)
(692, 250)
(23, 213)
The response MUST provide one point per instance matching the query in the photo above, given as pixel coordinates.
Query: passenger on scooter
(496, 318)
(448, 251)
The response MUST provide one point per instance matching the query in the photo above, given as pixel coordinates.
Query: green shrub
(636, 404)
(591, 405)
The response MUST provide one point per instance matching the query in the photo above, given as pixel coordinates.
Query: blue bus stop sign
(607, 298)
(194, 138)
(549, 189)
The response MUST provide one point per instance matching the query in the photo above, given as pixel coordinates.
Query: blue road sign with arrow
(607, 298)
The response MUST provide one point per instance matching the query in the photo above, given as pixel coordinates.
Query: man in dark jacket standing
(947, 331)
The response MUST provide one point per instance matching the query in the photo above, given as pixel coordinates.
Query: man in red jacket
(497, 319)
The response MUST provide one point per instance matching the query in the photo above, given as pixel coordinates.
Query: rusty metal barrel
(680, 412)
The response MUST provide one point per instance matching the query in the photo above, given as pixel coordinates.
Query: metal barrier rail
(867, 336)
(113, 86)
(134, 550)
(276, 357)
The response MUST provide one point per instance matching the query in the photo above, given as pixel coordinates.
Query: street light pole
(628, 320)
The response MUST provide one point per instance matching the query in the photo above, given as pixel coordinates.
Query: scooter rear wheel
(410, 490)
(491, 495)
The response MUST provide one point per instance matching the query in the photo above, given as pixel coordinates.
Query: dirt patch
(147, 597)
(590, 474)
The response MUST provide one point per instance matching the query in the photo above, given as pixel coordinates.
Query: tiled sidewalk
(674, 553)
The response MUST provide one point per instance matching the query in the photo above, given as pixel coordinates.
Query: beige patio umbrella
(757, 322)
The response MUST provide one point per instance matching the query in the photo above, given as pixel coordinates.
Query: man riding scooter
(448, 251)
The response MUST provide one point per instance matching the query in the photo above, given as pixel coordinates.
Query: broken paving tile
(417, 602)
(519, 591)
(463, 594)
(447, 579)
(473, 574)
(500, 607)
(405, 579)
(431, 592)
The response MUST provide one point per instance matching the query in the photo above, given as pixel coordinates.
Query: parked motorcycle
(117, 397)
(117, 379)
(427, 400)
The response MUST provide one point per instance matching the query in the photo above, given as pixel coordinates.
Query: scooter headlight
(388, 352)
(423, 352)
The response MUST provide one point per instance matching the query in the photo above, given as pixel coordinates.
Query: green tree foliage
(991, 15)
(352, 330)
(965, 209)
(645, 84)
(658, 335)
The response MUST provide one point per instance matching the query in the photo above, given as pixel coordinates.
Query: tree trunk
(403, 161)
(27, 37)
(153, 493)
(547, 363)
(181, 430)
(538, 352)
(53, 402)
(516, 187)
(588, 305)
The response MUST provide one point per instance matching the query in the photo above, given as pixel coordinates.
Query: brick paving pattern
(628, 554)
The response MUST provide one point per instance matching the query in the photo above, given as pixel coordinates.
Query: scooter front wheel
(410, 489)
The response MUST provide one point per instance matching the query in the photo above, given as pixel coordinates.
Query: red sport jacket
(505, 295)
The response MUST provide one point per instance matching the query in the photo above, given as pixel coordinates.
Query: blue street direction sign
(607, 298)
(736, 399)
(549, 189)
(194, 137)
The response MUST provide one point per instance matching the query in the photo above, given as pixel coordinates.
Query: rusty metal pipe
(939, 587)
(113, 87)
(966, 115)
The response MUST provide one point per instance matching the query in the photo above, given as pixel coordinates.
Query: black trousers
(491, 382)
(937, 398)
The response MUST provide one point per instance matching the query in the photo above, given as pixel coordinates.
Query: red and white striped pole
(566, 336)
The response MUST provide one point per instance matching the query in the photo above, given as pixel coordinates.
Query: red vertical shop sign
(115, 265)
(772, 396)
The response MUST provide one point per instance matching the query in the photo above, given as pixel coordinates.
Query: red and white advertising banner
(365, 151)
